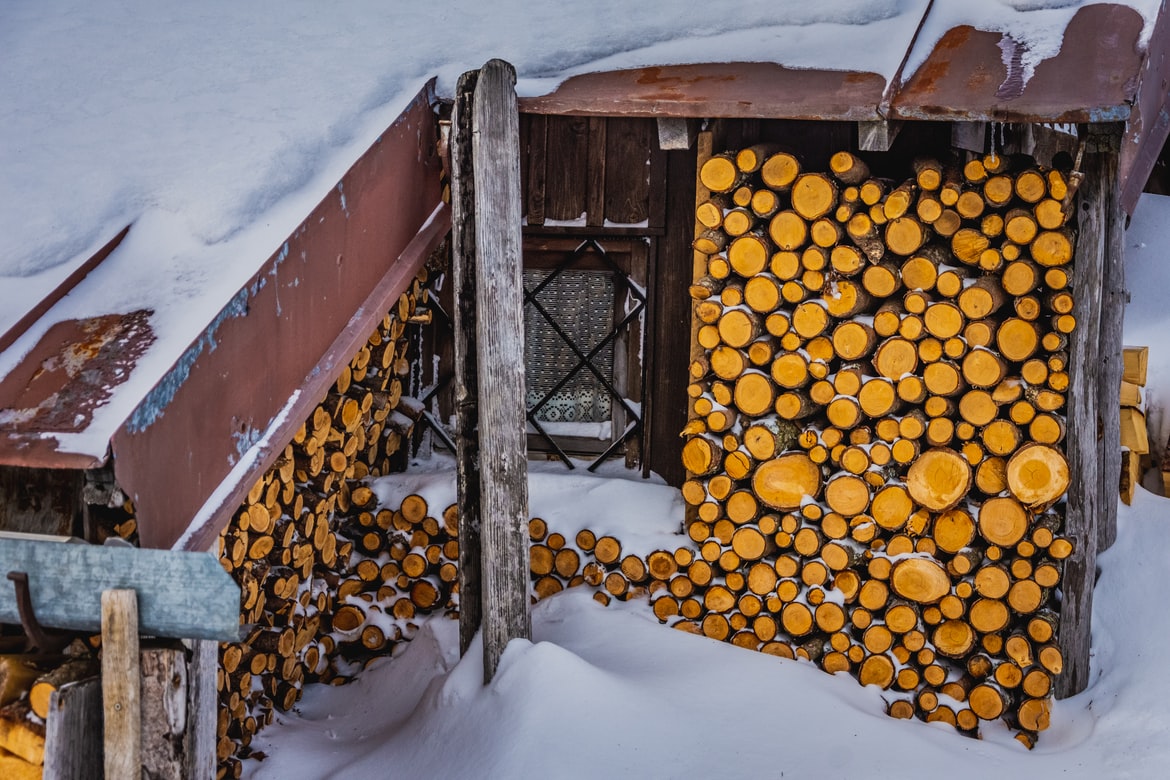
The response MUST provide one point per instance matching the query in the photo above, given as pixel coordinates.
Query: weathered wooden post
(121, 687)
(500, 351)
(1087, 501)
(466, 377)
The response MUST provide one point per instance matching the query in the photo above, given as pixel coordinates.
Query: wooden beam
(180, 594)
(466, 376)
(971, 136)
(500, 355)
(1085, 501)
(877, 136)
(675, 133)
(121, 693)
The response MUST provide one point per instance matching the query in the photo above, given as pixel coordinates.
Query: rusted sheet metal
(277, 335)
(220, 506)
(1092, 79)
(71, 371)
(8, 338)
(1149, 124)
(737, 89)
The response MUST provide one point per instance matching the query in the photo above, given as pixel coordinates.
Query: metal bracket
(46, 641)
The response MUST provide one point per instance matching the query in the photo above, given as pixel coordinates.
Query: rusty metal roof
(1102, 73)
(255, 371)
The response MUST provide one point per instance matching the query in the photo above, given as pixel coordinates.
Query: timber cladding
(878, 397)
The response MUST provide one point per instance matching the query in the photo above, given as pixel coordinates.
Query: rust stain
(938, 65)
(72, 371)
(653, 76)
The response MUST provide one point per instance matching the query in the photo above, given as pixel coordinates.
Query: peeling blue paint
(341, 191)
(1118, 113)
(160, 397)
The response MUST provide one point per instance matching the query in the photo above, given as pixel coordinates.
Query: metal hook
(43, 640)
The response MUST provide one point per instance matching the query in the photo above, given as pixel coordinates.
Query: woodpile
(877, 412)
(315, 559)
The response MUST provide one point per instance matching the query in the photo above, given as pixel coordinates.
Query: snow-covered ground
(608, 692)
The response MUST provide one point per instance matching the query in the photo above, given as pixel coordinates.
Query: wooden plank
(670, 345)
(73, 732)
(595, 173)
(180, 594)
(121, 691)
(466, 375)
(1130, 395)
(500, 355)
(41, 501)
(164, 712)
(627, 175)
(1084, 501)
(1133, 434)
(1133, 364)
(564, 187)
(536, 165)
(202, 703)
(1113, 312)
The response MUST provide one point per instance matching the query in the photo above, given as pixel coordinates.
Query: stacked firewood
(874, 450)
(306, 527)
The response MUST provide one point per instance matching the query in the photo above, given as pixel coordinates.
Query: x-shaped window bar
(585, 359)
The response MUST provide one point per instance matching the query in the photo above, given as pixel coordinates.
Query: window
(584, 312)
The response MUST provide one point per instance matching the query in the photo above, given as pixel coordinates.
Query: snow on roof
(214, 128)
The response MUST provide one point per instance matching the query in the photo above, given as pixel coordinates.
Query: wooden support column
(466, 376)
(121, 695)
(1113, 304)
(500, 353)
(1085, 499)
(202, 702)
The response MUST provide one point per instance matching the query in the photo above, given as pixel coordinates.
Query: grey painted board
(180, 594)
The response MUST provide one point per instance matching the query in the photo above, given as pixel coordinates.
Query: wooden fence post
(1112, 316)
(1085, 499)
(121, 685)
(500, 352)
(466, 376)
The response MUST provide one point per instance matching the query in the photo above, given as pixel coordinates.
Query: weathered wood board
(180, 594)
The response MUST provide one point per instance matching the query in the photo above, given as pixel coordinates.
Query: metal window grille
(571, 328)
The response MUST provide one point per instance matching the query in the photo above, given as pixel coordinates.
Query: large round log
(784, 482)
(1037, 475)
(939, 479)
(922, 580)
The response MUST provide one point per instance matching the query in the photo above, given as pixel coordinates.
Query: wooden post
(500, 354)
(466, 376)
(1085, 499)
(120, 685)
(202, 702)
(73, 732)
(1112, 316)
(164, 712)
